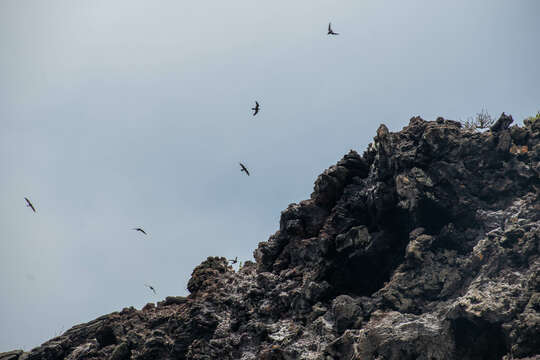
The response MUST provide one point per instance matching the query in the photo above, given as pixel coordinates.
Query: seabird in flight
(256, 108)
(234, 261)
(29, 204)
(330, 31)
(244, 169)
(151, 288)
(140, 230)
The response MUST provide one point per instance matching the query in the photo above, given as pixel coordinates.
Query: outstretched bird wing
(244, 169)
(29, 204)
(256, 108)
(150, 287)
(141, 230)
(330, 31)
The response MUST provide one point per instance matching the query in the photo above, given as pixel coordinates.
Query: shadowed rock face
(426, 247)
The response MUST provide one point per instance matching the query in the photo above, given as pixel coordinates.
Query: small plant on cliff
(534, 118)
(482, 120)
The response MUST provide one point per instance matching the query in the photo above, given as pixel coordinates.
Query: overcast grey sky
(117, 114)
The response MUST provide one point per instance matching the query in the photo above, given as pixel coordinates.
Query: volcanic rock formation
(426, 247)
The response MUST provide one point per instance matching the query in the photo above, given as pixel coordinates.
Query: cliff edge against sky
(426, 247)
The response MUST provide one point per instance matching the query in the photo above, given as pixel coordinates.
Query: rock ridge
(424, 247)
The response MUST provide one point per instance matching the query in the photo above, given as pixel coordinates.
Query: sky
(130, 113)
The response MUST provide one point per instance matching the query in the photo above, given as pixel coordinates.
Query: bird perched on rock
(256, 108)
(330, 31)
(244, 169)
(29, 204)
(140, 230)
(234, 261)
(151, 288)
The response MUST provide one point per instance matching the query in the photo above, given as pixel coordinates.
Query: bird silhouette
(330, 31)
(151, 288)
(29, 204)
(234, 261)
(256, 108)
(244, 169)
(140, 230)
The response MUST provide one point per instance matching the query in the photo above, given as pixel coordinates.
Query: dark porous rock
(273, 353)
(505, 142)
(347, 312)
(50, 350)
(503, 123)
(329, 185)
(425, 247)
(121, 352)
(205, 275)
(298, 221)
(105, 336)
(148, 307)
(11, 355)
(173, 300)
(519, 135)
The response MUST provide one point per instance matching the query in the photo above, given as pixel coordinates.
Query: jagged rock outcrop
(426, 247)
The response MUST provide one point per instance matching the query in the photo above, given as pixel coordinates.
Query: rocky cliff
(426, 247)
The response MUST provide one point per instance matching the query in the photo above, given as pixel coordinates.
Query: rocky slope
(426, 247)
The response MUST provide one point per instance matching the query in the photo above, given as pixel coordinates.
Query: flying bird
(256, 108)
(151, 288)
(29, 204)
(330, 31)
(244, 169)
(234, 261)
(140, 230)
